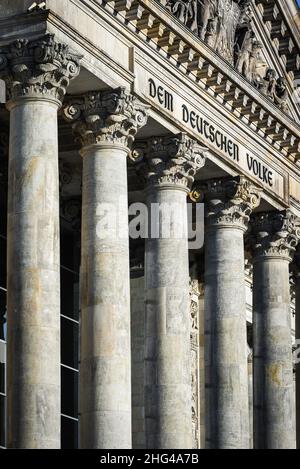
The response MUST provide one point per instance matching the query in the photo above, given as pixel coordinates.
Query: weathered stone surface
(170, 167)
(275, 238)
(296, 275)
(228, 209)
(43, 67)
(105, 397)
(298, 364)
(33, 378)
(37, 74)
(106, 124)
(137, 288)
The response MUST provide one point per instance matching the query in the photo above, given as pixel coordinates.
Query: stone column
(275, 236)
(296, 272)
(37, 74)
(171, 164)
(297, 330)
(106, 123)
(229, 203)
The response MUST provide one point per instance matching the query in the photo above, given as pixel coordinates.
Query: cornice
(284, 33)
(170, 38)
(83, 42)
(275, 62)
(279, 50)
(291, 14)
(200, 64)
(36, 21)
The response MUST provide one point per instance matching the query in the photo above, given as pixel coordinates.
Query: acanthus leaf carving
(194, 339)
(229, 201)
(43, 67)
(274, 234)
(106, 116)
(173, 161)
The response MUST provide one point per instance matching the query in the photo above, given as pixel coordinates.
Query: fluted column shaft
(168, 366)
(228, 207)
(274, 400)
(106, 124)
(33, 300)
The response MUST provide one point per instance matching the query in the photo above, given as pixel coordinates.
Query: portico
(168, 121)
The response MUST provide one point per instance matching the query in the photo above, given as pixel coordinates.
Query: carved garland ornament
(42, 67)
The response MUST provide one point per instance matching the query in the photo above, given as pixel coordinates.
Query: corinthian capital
(229, 201)
(171, 161)
(106, 116)
(275, 234)
(40, 68)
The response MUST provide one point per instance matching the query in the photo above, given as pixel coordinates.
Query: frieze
(205, 128)
(198, 62)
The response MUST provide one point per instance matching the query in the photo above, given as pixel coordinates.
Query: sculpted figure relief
(226, 26)
(275, 89)
(249, 59)
(214, 21)
(268, 84)
(209, 15)
(186, 11)
(281, 94)
(257, 65)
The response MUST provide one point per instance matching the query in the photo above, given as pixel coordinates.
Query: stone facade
(125, 128)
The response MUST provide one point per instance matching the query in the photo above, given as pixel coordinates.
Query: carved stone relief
(194, 316)
(226, 26)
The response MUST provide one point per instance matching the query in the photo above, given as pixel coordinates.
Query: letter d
(185, 114)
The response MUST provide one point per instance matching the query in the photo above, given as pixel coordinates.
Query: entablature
(154, 43)
(202, 65)
(281, 25)
(192, 57)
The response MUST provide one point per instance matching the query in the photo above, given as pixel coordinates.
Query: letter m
(169, 101)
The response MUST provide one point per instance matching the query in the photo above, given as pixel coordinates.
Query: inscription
(209, 132)
(260, 170)
(164, 97)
